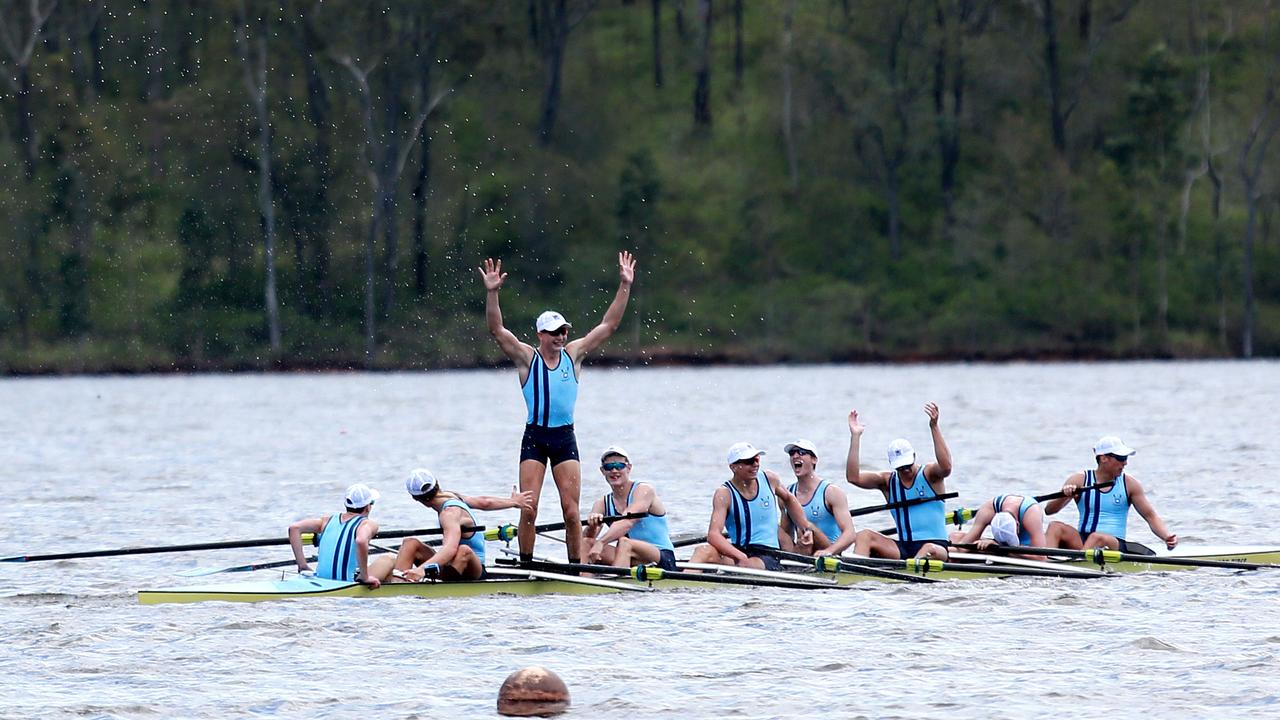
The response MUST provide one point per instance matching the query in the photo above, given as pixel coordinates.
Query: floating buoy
(533, 691)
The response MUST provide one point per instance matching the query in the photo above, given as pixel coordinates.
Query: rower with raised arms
(922, 530)
(461, 552)
(628, 542)
(825, 505)
(343, 539)
(746, 506)
(1104, 514)
(549, 376)
(1015, 520)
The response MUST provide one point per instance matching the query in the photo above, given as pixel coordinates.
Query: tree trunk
(702, 78)
(314, 277)
(788, 137)
(657, 42)
(739, 62)
(555, 32)
(1053, 69)
(1246, 272)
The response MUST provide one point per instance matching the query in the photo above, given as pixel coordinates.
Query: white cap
(742, 451)
(801, 444)
(420, 482)
(1111, 445)
(360, 496)
(1005, 529)
(550, 321)
(615, 450)
(901, 454)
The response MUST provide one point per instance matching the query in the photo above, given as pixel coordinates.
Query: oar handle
(1082, 488)
(900, 504)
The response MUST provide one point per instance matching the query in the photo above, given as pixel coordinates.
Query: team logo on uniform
(814, 512)
(765, 503)
(564, 375)
(1115, 501)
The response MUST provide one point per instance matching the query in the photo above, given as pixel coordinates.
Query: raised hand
(626, 268)
(855, 427)
(522, 500)
(492, 274)
(931, 409)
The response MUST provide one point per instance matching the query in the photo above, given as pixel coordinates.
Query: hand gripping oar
(1102, 556)
(501, 532)
(834, 564)
(651, 573)
(960, 516)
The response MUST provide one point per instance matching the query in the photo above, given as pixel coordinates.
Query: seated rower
(628, 542)
(1015, 520)
(747, 507)
(343, 539)
(922, 530)
(460, 555)
(1104, 514)
(825, 505)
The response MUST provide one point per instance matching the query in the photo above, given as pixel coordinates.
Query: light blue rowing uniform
(651, 528)
(754, 521)
(818, 512)
(476, 541)
(550, 393)
(1024, 537)
(922, 521)
(336, 559)
(1102, 511)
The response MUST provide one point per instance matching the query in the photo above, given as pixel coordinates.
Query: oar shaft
(900, 504)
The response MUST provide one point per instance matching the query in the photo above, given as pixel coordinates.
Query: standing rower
(628, 542)
(549, 378)
(747, 507)
(922, 530)
(461, 552)
(1015, 520)
(1104, 514)
(343, 539)
(825, 505)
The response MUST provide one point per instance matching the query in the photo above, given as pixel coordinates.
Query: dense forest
(312, 184)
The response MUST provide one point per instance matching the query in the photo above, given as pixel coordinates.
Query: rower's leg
(932, 551)
(1062, 535)
(1102, 540)
(412, 552)
(568, 477)
(381, 567)
(465, 564)
(640, 552)
(873, 544)
(531, 474)
(622, 558)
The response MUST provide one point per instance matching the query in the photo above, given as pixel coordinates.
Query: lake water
(100, 462)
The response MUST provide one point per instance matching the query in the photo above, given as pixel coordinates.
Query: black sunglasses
(614, 466)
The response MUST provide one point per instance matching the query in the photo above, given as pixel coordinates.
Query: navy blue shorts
(909, 548)
(667, 559)
(762, 552)
(1132, 548)
(549, 446)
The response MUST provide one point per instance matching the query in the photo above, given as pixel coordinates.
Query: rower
(628, 542)
(460, 555)
(747, 507)
(343, 539)
(1015, 520)
(825, 505)
(549, 376)
(1104, 514)
(922, 529)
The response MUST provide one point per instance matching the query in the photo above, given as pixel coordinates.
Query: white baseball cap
(360, 496)
(615, 450)
(1004, 528)
(550, 321)
(1111, 445)
(901, 454)
(743, 451)
(420, 482)
(801, 444)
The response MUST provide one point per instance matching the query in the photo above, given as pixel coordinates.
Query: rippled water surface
(88, 463)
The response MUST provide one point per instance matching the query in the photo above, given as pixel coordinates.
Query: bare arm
(641, 501)
(451, 535)
(852, 470)
(794, 510)
(368, 529)
(1138, 498)
(612, 317)
(594, 519)
(981, 520)
(715, 528)
(310, 525)
(493, 277)
(1069, 488)
(838, 504)
(938, 470)
(522, 500)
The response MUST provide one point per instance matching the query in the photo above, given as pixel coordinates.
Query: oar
(1102, 556)
(501, 532)
(960, 516)
(648, 573)
(900, 504)
(842, 565)
(929, 565)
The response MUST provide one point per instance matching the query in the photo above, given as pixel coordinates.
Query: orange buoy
(533, 691)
